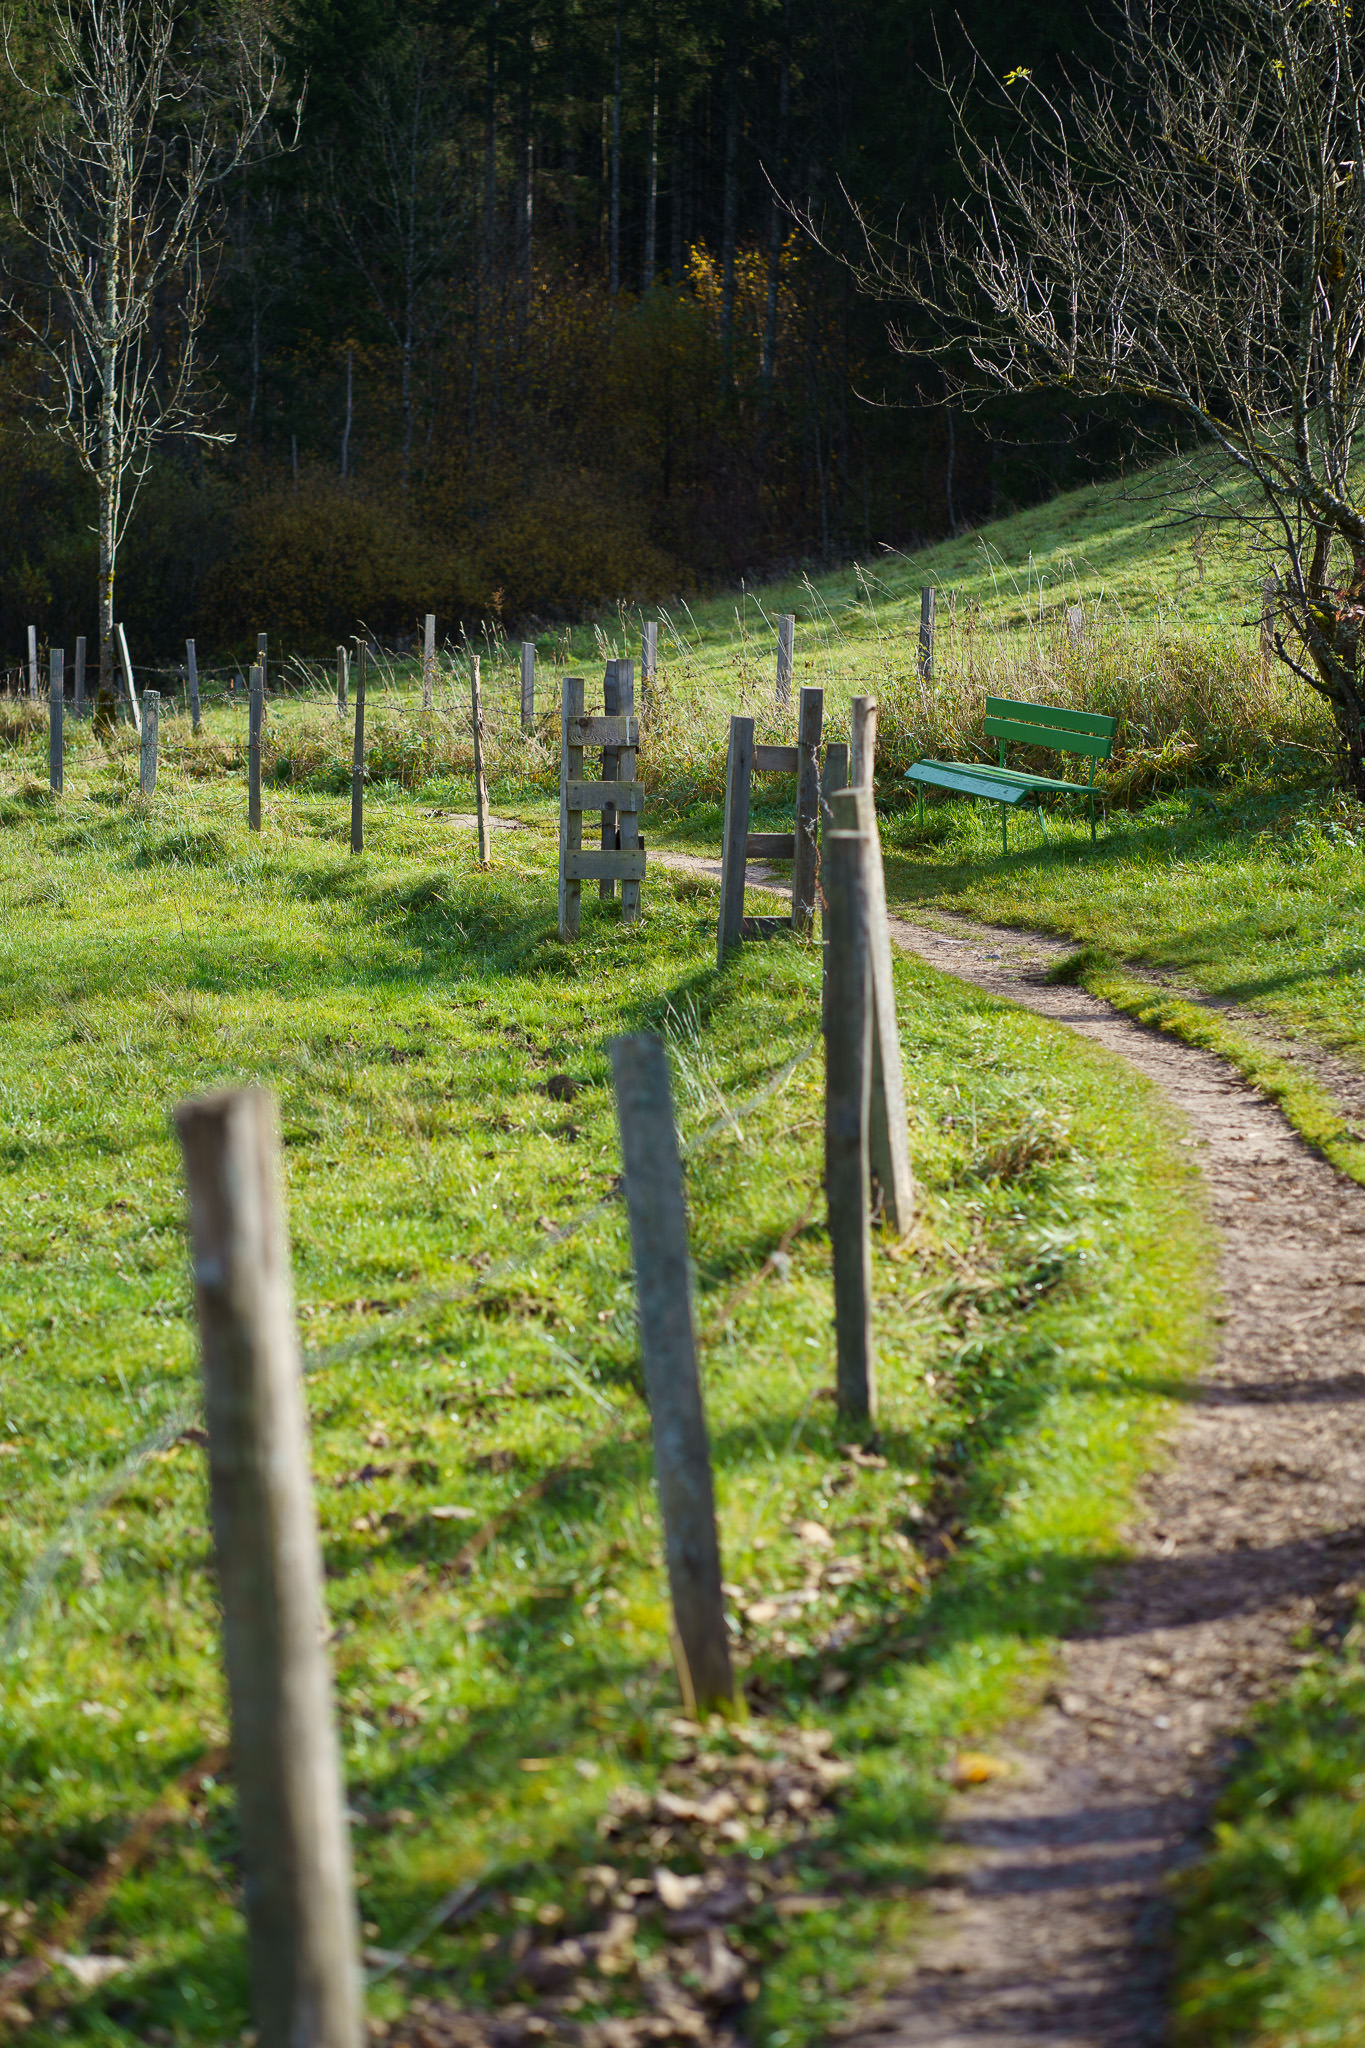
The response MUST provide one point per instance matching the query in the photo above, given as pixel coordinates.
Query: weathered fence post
(428, 661)
(786, 655)
(262, 645)
(572, 701)
(853, 810)
(126, 663)
(528, 685)
(738, 775)
(848, 1079)
(805, 859)
(649, 665)
(299, 1890)
(56, 707)
(627, 821)
(33, 661)
(343, 671)
(358, 756)
(663, 1285)
(192, 665)
(926, 633)
(612, 707)
(78, 698)
(255, 719)
(146, 767)
(480, 786)
(862, 753)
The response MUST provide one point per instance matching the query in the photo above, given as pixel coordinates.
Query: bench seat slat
(969, 781)
(1015, 777)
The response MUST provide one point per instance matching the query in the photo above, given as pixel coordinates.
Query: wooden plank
(776, 760)
(358, 756)
(965, 781)
(848, 1085)
(299, 1892)
(429, 661)
(616, 864)
(765, 927)
(682, 1452)
(590, 796)
(611, 704)
(147, 752)
(729, 928)
(570, 822)
(888, 1137)
(343, 676)
(770, 845)
(805, 860)
(862, 752)
(1060, 739)
(480, 786)
(649, 666)
(628, 823)
(606, 732)
(1096, 722)
(56, 710)
(786, 656)
(927, 606)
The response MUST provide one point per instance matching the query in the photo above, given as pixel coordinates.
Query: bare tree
(116, 190)
(1189, 233)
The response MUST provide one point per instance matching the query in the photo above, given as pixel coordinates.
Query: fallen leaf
(91, 1971)
(676, 1892)
(814, 1533)
(971, 1767)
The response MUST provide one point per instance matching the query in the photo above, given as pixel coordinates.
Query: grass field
(480, 1443)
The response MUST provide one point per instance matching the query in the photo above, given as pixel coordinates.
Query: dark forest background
(523, 322)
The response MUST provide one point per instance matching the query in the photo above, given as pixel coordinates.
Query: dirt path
(1050, 1926)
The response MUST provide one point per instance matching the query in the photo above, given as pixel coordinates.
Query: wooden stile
(570, 821)
(480, 786)
(682, 1455)
(192, 672)
(848, 1078)
(56, 709)
(740, 845)
(78, 697)
(299, 1889)
(528, 685)
(255, 720)
(151, 740)
(926, 632)
(786, 656)
(429, 661)
(358, 756)
(853, 810)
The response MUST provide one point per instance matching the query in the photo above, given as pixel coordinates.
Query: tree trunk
(769, 361)
(615, 225)
(106, 698)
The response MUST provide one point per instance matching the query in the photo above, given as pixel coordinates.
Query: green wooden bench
(1031, 725)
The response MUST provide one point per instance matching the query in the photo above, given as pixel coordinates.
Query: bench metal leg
(921, 805)
(1004, 829)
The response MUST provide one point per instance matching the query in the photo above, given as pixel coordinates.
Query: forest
(513, 310)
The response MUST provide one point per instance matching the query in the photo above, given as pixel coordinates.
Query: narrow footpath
(1050, 1928)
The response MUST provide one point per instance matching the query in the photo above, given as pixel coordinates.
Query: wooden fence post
(612, 707)
(78, 699)
(146, 767)
(343, 671)
(570, 822)
(853, 810)
(33, 661)
(734, 854)
(682, 1456)
(627, 821)
(848, 1078)
(805, 860)
(358, 756)
(480, 786)
(255, 719)
(786, 655)
(862, 753)
(56, 708)
(299, 1889)
(262, 644)
(649, 665)
(429, 661)
(528, 685)
(126, 663)
(926, 633)
(192, 664)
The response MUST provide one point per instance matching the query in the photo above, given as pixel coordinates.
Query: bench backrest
(1047, 725)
